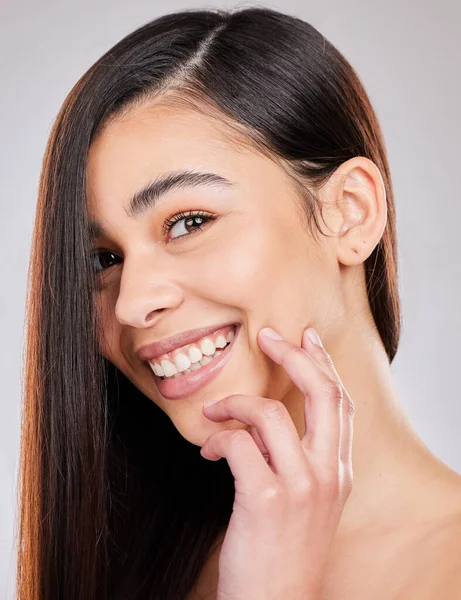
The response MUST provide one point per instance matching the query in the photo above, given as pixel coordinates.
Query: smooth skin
(289, 493)
(255, 264)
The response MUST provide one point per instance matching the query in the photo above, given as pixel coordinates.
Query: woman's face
(249, 262)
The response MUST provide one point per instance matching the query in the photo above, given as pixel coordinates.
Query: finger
(321, 356)
(347, 434)
(261, 445)
(275, 427)
(323, 399)
(251, 472)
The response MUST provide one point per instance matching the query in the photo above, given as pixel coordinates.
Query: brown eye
(187, 223)
(105, 258)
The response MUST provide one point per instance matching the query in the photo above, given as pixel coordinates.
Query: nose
(145, 293)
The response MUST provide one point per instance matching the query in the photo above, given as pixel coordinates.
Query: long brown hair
(114, 502)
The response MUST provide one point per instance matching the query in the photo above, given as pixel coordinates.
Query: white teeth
(157, 369)
(195, 358)
(207, 347)
(220, 341)
(182, 362)
(194, 354)
(168, 368)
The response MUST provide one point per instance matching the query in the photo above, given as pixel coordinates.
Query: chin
(197, 431)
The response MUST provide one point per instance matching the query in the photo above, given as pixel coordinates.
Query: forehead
(158, 139)
(150, 143)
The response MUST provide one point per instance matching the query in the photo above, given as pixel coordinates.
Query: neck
(395, 474)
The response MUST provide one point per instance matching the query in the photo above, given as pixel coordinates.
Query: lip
(155, 349)
(189, 383)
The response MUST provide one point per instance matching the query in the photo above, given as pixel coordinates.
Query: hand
(289, 493)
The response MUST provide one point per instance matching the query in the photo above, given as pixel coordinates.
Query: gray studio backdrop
(406, 53)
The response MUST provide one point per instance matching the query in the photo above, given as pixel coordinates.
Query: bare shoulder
(424, 564)
(436, 564)
(418, 561)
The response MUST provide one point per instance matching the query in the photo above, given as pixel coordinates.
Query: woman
(213, 174)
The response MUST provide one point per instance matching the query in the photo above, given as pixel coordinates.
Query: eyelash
(166, 227)
(191, 214)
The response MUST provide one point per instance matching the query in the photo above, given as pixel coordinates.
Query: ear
(357, 213)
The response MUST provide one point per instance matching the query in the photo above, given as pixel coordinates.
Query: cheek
(243, 269)
(271, 271)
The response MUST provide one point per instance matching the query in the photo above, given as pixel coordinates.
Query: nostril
(153, 313)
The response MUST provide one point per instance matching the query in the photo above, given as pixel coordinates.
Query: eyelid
(170, 222)
(167, 225)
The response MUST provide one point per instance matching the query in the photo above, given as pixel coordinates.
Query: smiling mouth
(205, 360)
(195, 356)
(190, 381)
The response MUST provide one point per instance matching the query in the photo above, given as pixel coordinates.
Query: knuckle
(334, 391)
(302, 489)
(330, 483)
(238, 437)
(350, 407)
(271, 497)
(332, 487)
(328, 359)
(274, 409)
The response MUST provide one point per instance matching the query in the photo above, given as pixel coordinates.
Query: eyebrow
(148, 196)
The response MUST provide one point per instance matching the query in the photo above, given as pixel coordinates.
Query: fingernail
(314, 336)
(210, 403)
(271, 333)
